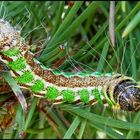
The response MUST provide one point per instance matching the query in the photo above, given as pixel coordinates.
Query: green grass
(84, 28)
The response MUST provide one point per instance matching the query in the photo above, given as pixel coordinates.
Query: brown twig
(111, 23)
(51, 121)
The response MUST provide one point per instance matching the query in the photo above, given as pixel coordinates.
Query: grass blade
(82, 129)
(16, 90)
(101, 120)
(72, 128)
(30, 114)
(132, 24)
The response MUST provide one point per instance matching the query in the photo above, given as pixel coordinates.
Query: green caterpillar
(113, 89)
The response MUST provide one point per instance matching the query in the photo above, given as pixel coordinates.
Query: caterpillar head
(9, 36)
(127, 95)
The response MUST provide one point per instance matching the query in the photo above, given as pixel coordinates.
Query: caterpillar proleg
(114, 89)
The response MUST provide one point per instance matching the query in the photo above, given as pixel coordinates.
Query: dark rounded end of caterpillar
(127, 95)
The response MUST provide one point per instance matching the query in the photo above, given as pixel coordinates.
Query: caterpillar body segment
(58, 87)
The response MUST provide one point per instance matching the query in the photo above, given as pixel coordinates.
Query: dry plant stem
(111, 22)
(51, 122)
(61, 115)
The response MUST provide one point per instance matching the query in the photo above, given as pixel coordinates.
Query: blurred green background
(74, 36)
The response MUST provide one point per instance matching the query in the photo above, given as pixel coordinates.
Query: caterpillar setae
(112, 89)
